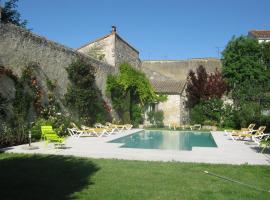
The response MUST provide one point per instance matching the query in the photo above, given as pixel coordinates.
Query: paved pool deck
(227, 151)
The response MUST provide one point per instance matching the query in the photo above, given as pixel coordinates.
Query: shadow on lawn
(44, 177)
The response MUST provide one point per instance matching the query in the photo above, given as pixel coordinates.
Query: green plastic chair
(49, 135)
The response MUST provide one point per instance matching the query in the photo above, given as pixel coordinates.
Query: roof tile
(168, 86)
(260, 33)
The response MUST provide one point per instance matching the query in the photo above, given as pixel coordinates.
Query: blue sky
(168, 29)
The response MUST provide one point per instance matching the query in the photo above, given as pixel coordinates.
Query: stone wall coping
(52, 44)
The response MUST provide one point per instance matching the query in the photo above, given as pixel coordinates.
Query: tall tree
(266, 54)
(202, 86)
(241, 61)
(10, 14)
(246, 70)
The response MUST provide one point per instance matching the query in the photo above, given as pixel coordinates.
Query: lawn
(59, 177)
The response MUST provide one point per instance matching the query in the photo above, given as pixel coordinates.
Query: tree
(241, 62)
(202, 86)
(196, 85)
(246, 69)
(11, 15)
(266, 54)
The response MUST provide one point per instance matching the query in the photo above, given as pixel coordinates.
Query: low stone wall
(19, 47)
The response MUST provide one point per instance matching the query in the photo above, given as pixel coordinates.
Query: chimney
(113, 29)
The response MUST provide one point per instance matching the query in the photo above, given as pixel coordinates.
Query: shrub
(228, 118)
(156, 118)
(210, 110)
(136, 115)
(249, 112)
(59, 122)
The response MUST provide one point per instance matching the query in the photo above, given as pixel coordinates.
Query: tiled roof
(260, 33)
(168, 86)
(164, 84)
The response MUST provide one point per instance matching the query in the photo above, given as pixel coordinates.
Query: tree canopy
(242, 62)
(246, 69)
(202, 86)
(10, 14)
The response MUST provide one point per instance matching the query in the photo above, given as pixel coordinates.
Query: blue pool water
(174, 140)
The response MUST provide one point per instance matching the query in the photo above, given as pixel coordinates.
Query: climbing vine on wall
(29, 79)
(130, 91)
(27, 93)
(82, 97)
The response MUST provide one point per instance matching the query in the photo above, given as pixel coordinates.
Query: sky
(158, 29)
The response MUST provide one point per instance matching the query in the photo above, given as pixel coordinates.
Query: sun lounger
(196, 127)
(119, 127)
(244, 134)
(249, 129)
(260, 137)
(99, 131)
(77, 132)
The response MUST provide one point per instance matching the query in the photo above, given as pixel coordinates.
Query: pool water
(174, 140)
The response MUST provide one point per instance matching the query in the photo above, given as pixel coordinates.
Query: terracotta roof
(260, 33)
(168, 86)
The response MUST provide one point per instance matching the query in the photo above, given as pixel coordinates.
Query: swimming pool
(174, 140)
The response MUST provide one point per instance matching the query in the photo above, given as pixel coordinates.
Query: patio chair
(259, 138)
(99, 125)
(99, 131)
(119, 127)
(196, 127)
(49, 135)
(249, 129)
(245, 134)
(78, 132)
(128, 126)
(73, 132)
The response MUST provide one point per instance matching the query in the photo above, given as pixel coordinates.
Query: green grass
(58, 177)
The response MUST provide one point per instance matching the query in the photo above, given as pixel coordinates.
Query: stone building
(112, 49)
(166, 76)
(19, 47)
(174, 108)
(260, 35)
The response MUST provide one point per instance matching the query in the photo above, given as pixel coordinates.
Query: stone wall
(178, 69)
(105, 46)
(125, 53)
(115, 50)
(171, 109)
(19, 47)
